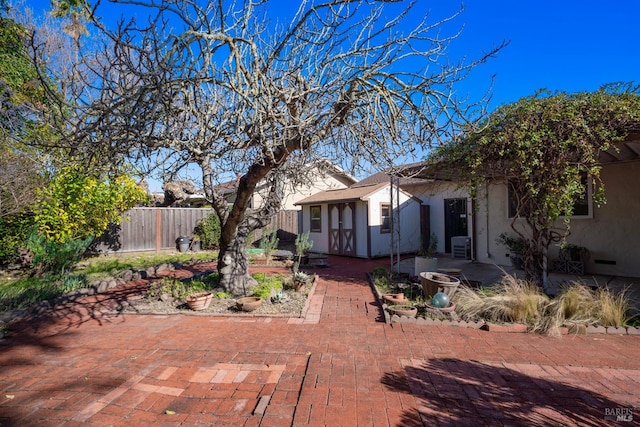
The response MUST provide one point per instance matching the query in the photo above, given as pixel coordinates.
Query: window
(316, 220)
(581, 205)
(385, 218)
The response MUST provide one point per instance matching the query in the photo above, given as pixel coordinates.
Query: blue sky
(567, 45)
(564, 45)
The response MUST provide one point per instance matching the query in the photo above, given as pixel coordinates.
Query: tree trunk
(233, 266)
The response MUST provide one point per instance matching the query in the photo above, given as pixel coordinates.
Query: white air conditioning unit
(461, 247)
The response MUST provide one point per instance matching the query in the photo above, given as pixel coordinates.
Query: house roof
(384, 177)
(625, 151)
(360, 192)
(442, 170)
(325, 166)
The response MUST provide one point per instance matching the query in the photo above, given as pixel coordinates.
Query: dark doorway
(455, 220)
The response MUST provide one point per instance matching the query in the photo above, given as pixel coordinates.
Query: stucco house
(610, 233)
(371, 218)
(320, 175)
(359, 220)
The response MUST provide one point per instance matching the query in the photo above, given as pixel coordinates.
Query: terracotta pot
(199, 301)
(452, 307)
(395, 299)
(248, 303)
(403, 310)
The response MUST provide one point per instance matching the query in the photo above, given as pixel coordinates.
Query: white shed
(362, 220)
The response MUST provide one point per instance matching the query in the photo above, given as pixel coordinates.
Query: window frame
(586, 201)
(383, 207)
(315, 219)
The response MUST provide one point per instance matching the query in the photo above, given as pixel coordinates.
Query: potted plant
(517, 247)
(199, 300)
(425, 258)
(407, 310)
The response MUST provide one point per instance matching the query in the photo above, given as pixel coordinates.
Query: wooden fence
(156, 229)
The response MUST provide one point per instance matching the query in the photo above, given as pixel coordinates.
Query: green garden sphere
(440, 300)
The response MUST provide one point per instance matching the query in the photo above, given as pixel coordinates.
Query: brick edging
(496, 327)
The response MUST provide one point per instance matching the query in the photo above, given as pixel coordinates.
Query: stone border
(496, 327)
(126, 276)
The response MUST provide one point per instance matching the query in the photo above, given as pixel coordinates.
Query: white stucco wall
(321, 239)
(611, 234)
(367, 225)
(409, 223)
(434, 194)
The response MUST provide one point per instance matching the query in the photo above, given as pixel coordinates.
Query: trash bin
(182, 243)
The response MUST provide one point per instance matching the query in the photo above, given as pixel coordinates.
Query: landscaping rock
(578, 329)
(103, 286)
(164, 267)
(506, 327)
(633, 331)
(127, 275)
(596, 330)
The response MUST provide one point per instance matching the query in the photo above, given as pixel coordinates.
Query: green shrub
(208, 229)
(14, 232)
(266, 285)
(269, 243)
(259, 277)
(172, 287)
(380, 272)
(303, 244)
(54, 257)
(222, 295)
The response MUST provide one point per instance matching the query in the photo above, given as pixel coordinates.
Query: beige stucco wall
(612, 233)
(318, 182)
(434, 194)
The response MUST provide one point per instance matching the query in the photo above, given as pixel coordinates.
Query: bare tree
(220, 85)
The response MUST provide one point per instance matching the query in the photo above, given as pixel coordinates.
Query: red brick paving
(340, 365)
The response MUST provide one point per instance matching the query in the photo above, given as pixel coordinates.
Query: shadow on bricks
(457, 392)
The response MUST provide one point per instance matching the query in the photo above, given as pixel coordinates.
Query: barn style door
(342, 236)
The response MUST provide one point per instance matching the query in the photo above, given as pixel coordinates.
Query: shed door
(342, 235)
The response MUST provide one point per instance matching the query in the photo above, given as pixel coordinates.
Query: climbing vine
(542, 147)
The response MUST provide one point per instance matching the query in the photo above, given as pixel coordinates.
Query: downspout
(486, 203)
(399, 236)
(391, 216)
(473, 230)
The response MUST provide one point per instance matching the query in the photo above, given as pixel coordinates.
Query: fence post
(158, 231)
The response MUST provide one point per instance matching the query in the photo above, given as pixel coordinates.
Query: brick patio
(339, 366)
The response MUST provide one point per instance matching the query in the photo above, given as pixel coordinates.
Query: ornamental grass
(517, 300)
